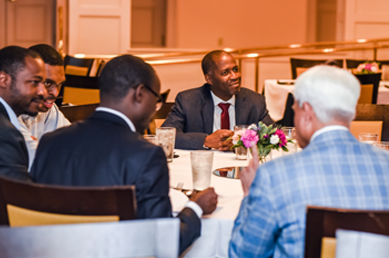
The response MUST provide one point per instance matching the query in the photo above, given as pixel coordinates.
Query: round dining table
(216, 228)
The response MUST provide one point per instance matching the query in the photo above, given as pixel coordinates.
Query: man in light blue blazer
(334, 170)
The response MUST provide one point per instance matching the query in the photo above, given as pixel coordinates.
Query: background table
(276, 95)
(216, 228)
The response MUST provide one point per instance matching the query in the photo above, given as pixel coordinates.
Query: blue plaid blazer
(334, 170)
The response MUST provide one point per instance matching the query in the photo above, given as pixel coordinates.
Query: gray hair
(332, 92)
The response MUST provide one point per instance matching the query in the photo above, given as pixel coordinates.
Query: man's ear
(209, 79)
(138, 93)
(5, 79)
(309, 114)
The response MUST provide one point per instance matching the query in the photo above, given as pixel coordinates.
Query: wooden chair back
(137, 238)
(78, 113)
(358, 127)
(377, 113)
(353, 63)
(288, 118)
(369, 87)
(161, 114)
(323, 222)
(299, 66)
(78, 66)
(81, 90)
(30, 204)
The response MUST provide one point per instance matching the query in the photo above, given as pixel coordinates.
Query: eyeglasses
(50, 83)
(160, 100)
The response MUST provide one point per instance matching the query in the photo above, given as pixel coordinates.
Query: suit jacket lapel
(241, 111)
(207, 109)
(3, 111)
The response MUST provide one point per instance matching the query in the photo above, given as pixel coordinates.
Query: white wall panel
(366, 19)
(99, 27)
(99, 35)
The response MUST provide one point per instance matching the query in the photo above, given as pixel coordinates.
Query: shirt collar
(119, 114)
(12, 116)
(327, 129)
(217, 100)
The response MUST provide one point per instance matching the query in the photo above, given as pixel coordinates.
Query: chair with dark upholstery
(30, 204)
(288, 118)
(161, 114)
(323, 222)
(137, 238)
(377, 113)
(79, 112)
(301, 65)
(80, 90)
(78, 66)
(353, 63)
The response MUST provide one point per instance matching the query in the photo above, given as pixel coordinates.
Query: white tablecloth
(216, 228)
(277, 94)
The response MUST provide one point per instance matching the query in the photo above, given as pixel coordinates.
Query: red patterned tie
(225, 117)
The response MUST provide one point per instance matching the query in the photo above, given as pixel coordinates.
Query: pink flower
(249, 138)
(282, 137)
(265, 136)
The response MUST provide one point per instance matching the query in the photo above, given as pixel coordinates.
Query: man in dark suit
(22, 73)
(205, 117)
(106, 149)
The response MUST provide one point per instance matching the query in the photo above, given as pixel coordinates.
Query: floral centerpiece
(264, 137)
(367, 67)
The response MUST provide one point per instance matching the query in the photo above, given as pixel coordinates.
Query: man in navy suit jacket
(22, 73)
(107, 148)
(196, 114)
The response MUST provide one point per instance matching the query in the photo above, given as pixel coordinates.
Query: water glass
(369, 138)
(290, 133)
(166, 137)
(152, 138)
(241, 152)
(382, 145)
(201, 161)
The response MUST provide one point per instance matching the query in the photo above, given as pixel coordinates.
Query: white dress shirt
(34, 127)
(327, 129)
(217, 112)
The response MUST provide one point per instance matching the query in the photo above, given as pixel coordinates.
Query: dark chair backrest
(353, 63)
(323, 222)
(164, 111)
(48, 204)
(100, 69)
(304, 64)
(80, 82)
(370, 79)
(78, 113)
(288, 118)
(137, 238)
(370, 112)
(78, 66)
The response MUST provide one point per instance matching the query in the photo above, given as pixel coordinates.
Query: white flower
(274, 139)
(374, 69)
(252, 127)
(236, 137)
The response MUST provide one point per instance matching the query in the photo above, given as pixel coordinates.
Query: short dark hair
(208, 63)
(122, 73)
(49, 55)
(12, 59)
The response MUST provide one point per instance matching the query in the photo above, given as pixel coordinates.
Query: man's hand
(218, 140)
(207, 200)
(247, 175)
